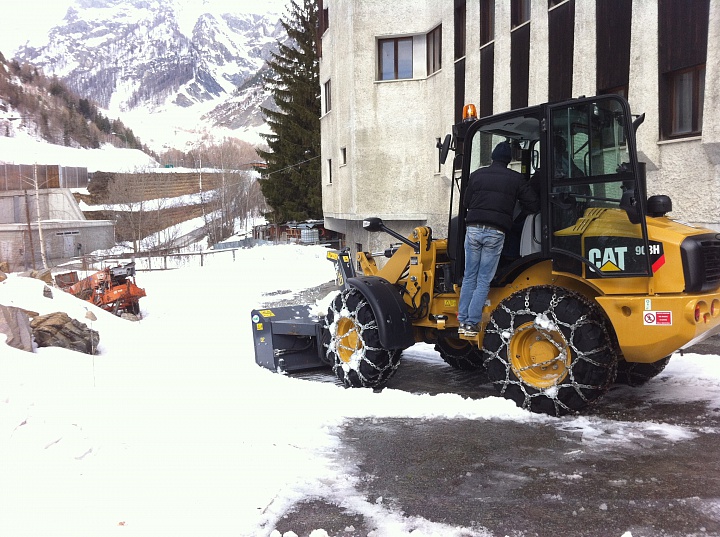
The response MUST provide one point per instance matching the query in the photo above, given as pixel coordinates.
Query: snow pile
(173, 430)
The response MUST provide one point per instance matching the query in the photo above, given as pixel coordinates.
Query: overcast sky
(31, 20)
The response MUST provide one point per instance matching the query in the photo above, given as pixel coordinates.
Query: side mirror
(444, 148)
(535, 159)
(638, 121)
(373, 224)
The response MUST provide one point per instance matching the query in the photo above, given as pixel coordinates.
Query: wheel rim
(348, 341)
(539, 357)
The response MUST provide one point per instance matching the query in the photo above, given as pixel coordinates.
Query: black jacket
(491, 195)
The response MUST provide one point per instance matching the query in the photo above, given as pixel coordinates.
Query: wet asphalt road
(505, 478)
(530, 479)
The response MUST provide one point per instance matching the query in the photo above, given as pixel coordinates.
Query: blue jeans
(483, 247)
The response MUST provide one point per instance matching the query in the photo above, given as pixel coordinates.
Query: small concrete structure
(65, 230)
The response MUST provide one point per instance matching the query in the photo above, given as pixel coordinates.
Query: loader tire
(549, 350)
(358, 360)
(634, 374)
(460, 354)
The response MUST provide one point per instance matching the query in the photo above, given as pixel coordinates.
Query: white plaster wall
(585, 47)
(711, 127)
(690, 180)
(711, 117)
(389, 128)
(643, 87)
(472, 53)
(539, 49)
(502, 85)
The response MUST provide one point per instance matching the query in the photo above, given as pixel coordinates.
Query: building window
(520, 12)
(682, 56)
(322, 26)
(434, 50)
(561, 45)
(612, 44)
(520, 67)
(438, 145)
(396, 59)
(327, 105)
(329, 169)
(343, 156)
(460, 23)
(619, 90)
(487, 21)
(687, 92)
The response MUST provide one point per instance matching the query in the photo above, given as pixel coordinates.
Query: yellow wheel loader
(599, 286)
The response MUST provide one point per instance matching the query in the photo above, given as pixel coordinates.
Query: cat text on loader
(600, 286)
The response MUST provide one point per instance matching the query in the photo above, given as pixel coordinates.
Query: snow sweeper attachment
(291, 338)
(288, 338)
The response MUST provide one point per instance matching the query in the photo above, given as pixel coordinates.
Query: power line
(291, 166)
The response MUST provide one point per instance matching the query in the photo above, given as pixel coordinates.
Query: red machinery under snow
(112, 289)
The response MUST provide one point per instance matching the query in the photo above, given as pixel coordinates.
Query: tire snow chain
(578, 355)
(360, 329)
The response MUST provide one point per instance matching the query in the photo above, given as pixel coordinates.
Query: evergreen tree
(291, 181)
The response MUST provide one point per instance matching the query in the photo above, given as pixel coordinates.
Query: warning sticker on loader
(657, 318)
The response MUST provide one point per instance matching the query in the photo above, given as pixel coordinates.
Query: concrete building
(395, 75)
(65, 230)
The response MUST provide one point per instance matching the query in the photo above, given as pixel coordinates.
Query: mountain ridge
(134, 57)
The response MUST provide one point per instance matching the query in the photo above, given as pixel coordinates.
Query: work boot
(469, 329)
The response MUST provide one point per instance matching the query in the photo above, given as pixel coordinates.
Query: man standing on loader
(490, 201)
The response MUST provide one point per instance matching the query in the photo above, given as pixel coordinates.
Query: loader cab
(580, 157)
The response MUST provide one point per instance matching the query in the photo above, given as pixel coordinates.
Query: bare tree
(129, 206)
(229, 201)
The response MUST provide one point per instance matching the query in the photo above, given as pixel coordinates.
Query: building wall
(66, 233)
(389, 128)
(20, 244)
(54, 204)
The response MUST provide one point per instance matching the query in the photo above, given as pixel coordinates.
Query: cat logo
(608, 259)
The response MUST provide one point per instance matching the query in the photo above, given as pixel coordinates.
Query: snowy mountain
(179, 57)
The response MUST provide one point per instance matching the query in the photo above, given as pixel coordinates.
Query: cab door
(595, 203)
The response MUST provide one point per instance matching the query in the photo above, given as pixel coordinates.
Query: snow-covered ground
(173, 430)
(27, 149)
